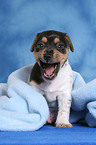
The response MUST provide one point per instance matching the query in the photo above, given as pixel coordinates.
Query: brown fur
(33, 43)
(44, 39)
(56, 40)
(70, 43)
(57, 56)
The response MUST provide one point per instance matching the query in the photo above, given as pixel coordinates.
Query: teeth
(48, 76)
(55, 66)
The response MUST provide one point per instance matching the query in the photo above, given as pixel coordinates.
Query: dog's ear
(32, 47)
(69, 42)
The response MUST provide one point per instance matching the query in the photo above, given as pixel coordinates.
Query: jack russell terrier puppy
(52, 75)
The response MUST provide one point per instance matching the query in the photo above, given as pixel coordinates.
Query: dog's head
(50, 49)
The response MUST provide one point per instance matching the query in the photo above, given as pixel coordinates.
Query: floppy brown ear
(32, 47)
(69, 42)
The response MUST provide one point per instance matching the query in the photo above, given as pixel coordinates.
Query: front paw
(64, 125)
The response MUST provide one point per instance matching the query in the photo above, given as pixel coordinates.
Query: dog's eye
(60, 46)
(40, 45)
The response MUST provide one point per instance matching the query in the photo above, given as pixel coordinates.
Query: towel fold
(84, 100)
(24, 109)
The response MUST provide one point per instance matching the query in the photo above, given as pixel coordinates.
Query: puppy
(52, 75)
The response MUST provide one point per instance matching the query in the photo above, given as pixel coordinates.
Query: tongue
(49, 69)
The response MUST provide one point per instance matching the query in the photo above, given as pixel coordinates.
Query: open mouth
(49, 70)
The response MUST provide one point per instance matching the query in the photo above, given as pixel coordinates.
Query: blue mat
(49, 135)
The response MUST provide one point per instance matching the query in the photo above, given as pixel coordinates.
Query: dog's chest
(60, 84)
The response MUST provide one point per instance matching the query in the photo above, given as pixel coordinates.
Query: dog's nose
(47, 57)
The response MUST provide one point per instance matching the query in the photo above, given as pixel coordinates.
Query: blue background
(20, 20)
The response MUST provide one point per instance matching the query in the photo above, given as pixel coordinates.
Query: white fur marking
(60, 86)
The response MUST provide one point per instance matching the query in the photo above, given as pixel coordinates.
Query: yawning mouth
(49, 71)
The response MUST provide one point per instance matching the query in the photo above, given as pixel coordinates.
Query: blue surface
(49, 135)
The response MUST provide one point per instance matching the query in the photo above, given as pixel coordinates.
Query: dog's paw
(63, 125)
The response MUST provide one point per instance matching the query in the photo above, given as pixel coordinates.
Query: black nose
(47, 57)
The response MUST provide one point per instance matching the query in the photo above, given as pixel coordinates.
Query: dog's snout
(49, 51)
(47, 57)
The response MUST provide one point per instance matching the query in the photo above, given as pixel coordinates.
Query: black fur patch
(36, 74)
(50, 45)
